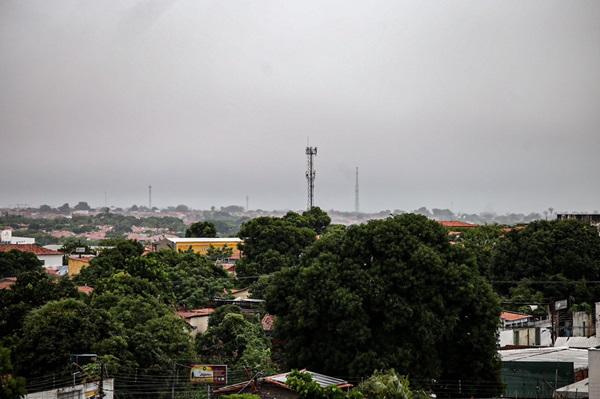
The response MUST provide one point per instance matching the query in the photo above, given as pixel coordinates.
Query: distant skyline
(467, 105)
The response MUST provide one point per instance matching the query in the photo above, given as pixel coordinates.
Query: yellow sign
(208, 374)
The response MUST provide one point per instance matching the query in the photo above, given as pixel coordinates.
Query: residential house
(275, 386)
(514, 319)
(48, 257)
(197, 319)
(76, 263)
(200, 245)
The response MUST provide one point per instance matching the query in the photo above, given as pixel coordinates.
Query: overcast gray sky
(474, 105)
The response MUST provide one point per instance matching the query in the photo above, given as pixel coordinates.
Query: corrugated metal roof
(579, 357)
(578, 389)
(281, 380)
(577, 342)
(321, 379)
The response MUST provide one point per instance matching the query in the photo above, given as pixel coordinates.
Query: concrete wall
(526, 337)
(79, 391)
(582, 324)
(200, 324)
(51, 260)
(202, 247)
(594, 373)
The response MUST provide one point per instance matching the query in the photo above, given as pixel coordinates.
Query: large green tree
(15, 262)
(201, 229)
(389, 293)
(271, 243)
(11, 387)
(53, 332)
(31, 290)
(554, 258)
(235, 340)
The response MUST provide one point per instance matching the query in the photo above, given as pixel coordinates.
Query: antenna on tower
(150, 197)
(356, 203)
(311, 152)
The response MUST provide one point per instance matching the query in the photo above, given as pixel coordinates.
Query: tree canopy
(14, 262)
(389, 293)
(201, 229)
(271, 243)
(565, 252)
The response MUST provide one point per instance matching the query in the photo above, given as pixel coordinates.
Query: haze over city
(473, 106)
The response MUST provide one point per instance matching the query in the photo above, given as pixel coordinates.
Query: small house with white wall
(48, 257)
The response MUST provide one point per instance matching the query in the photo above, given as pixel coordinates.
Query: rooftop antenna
(356, 203)
(150, 197)
(311, 152)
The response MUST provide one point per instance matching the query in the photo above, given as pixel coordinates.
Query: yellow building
(75, 264)
(201, 245)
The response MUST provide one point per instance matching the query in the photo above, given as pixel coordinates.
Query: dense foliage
(201, 229)
(11, 386)
(549, 261)
(236, 340)
(271, 243)
(394, 294)
(389, 293)
(15, 262)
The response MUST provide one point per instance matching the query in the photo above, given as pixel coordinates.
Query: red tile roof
(85, 289)
(7, 282)
(456, 223)
(513, 316)
(188, 314)
(267, 322)
(32, 248)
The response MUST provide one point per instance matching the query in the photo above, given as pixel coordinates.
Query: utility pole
(311, 152)
(101, 384)
(356, 203)
(150, 197)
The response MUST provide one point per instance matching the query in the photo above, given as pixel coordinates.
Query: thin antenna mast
(311, 152)
(356, 197)
(150, 197)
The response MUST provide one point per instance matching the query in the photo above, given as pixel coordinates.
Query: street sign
(208, 374)
(80, 250)
(560, 305)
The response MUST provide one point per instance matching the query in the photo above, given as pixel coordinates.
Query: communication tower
(311, 152)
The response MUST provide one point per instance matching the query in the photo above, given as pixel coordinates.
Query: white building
(82, 391)
(48, 257)
(6, 237)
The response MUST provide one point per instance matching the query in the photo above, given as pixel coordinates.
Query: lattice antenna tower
(311, 152)
(150, 197)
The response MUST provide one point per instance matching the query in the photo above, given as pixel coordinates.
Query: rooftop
(84, 289)
(281, 381)
(7, 282)
(513, 316)
(456, 223)
(188, 314)
(32, 248)
(579, 357)
(203, 239)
